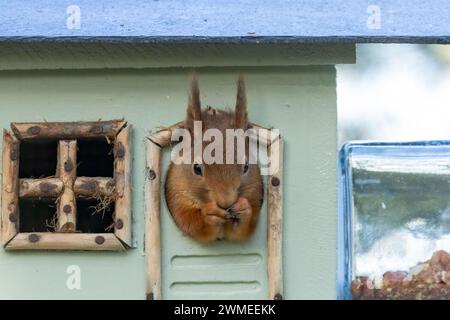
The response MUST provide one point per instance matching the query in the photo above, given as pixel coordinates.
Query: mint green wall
(300, 101)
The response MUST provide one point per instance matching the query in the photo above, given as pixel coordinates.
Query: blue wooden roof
(227, 21)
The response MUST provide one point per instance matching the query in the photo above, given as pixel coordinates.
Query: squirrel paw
(240, 227)
(241, 210)
(214, 220)
(214, 215)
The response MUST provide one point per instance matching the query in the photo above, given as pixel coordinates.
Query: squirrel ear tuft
(194, 107)
(241, 105)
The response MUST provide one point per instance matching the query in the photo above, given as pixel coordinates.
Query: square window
(95, 158)
(37, 158)
(394, 221)
(95, 216)
(37, 215)
(67, 185)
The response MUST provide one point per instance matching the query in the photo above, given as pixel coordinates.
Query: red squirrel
(215, 201)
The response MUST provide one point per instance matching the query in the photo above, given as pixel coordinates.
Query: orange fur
(222, 203)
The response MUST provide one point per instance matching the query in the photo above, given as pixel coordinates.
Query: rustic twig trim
(94, 186)
(53, 187)
(122, 177)
(65, 241)
(37, 188)
(275, 223)
(153, 223)
(154, 145)
(163, 137)
(10, 188)
(67, 130)
(66, 186)
(67, 163)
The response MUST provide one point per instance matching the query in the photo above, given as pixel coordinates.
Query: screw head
(90, 186)
(46, 187)
(68, 166)
(14, 152)
(278, 296)
(67, 208)
(119, 224)
(275, 181)
(99, 240)
(33, 238)
(151, 174)
(34, 130)
(13, 217)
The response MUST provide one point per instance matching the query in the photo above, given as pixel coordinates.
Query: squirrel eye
(197, 169)
(246, 167)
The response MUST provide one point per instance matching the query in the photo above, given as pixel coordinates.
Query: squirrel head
(222, 183)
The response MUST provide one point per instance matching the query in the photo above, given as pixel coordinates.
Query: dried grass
(103, 202)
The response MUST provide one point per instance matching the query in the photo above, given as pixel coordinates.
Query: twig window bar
(66, 186)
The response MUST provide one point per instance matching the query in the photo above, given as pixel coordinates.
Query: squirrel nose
(226, 200)
(223, 207)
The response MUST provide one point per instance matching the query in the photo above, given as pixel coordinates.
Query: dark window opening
(37, 215)
(37, 158)
(94, 216)
(95, 158)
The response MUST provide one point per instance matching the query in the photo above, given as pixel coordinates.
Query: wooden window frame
(161, 139)
(66, 186)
